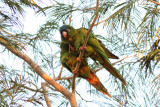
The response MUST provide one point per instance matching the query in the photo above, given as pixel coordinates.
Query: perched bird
(95, 49)
(69, 61)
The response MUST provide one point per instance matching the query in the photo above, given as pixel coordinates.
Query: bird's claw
(78, 59)
(75, 72)
(82, 48)
(71, 48)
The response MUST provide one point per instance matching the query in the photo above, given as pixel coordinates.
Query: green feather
(95, 50)
(68, 60)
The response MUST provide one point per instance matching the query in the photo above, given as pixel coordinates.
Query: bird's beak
(65, 35)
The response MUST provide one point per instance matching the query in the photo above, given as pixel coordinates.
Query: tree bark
(40, 72)
(72, 100)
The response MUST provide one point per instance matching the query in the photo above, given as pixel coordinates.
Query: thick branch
(40, 72)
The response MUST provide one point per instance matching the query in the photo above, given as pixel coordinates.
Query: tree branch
(115, 62)
(123, 59)
(63, 78)
(92, 8)
(36, 68)
(154, 2)
(31, 89)
(99, 22)
(82, 97)
(84, 45)
(48, 102)
(73, 83)
(33, 1)
(3, 20)
(60, 73)
(86, 39)
(70, 19)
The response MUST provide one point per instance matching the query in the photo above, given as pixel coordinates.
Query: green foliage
(15, 89)
(128, 27)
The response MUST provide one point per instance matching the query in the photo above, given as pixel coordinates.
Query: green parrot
(69, 61)
(95, 49)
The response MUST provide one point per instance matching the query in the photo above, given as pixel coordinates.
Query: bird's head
(64, 31)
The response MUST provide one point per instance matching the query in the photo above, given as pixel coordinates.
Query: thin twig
(154, 2)
(98, 69)
(73, 83)
(48, 102)
(92, 8)
(11, 87)
(60, 72)
(123, 59)
(99, 22)
(3, 20)
(19, 43)
(53, 66)
(82, 97)
(6, 32)
(115, 62)
(32, 84)
(70, 19)
(84, 45)
(86, 39)
(63, 78)
(33, 1)
(36, 68)
(36, 90)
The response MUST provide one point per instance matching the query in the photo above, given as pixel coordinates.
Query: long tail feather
(107, 52)
(108, 66)
(95, 82)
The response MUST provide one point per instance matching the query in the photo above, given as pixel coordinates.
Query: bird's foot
(75, 72)
(82, 48)
(78, 59)
(71, 48)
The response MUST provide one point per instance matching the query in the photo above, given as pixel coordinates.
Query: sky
(31, 25)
